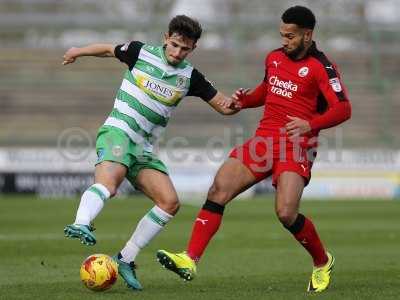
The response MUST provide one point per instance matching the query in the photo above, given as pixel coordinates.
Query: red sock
(304, 232)
(204, 228)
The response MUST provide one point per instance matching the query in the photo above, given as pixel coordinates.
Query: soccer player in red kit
(302, 93)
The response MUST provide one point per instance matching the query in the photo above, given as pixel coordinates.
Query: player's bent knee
(110, 183)
(170, 205)
(219, 193)
(286, 216)
(113, 189)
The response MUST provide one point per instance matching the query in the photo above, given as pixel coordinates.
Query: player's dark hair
(186, 27)
(299, 15)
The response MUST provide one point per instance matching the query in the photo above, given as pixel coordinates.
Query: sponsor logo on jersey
(335, 84)
(303, 72)
(281, 87)
(158, 88)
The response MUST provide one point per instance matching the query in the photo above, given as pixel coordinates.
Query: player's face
(177, 48)
(294, 39)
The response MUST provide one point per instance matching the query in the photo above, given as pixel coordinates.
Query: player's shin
(205, 226)
(148, 227)
(305, 233)
(92, 201)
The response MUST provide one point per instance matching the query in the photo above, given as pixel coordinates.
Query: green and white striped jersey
(150, 90)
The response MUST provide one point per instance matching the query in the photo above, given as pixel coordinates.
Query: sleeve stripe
(330, 70)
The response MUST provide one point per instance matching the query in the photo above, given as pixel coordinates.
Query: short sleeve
(201, 87)
(128, 53)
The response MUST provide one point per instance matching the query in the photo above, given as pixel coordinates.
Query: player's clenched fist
(70, 56)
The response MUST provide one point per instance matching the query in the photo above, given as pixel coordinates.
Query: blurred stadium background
(49, 114)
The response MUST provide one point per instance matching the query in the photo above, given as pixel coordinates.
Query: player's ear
(308, 35)
(166, 37)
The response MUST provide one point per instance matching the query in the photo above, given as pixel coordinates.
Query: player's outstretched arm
(250, 99)
(98, 50)
(224, 105)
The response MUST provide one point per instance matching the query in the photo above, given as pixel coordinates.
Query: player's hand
(235, 102)
(70, 56)
(238, 96)
(296, 127)
(229, 103)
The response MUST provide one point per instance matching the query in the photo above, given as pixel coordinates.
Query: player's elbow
(343, 111)
(347, 110)
(108, 50)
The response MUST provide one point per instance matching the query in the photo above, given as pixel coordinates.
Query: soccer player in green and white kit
(157, 79)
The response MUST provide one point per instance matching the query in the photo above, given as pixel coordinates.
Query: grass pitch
(251, 257)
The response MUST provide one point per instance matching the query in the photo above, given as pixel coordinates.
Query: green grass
(251, 257)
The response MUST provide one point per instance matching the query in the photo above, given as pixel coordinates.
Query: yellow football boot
(179, 263)
(321, 276)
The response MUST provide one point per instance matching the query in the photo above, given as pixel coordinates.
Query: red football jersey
(299, 88)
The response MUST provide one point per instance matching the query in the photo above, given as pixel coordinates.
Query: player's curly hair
(185, 26)
(299, 15)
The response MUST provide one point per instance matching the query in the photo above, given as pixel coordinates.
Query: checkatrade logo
(281, 87)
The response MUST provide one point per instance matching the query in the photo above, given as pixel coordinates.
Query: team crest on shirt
(303, 71)
(335, 84)
(180, 82)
